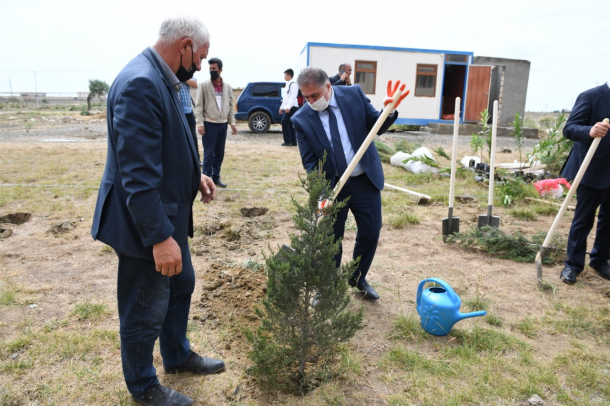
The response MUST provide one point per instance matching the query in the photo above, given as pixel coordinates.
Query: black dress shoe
(568, 275)
(219, 183)
(286, 144)
(369, 292)
(295, 144)
(601, 268)
(159, 395)
(198, 365)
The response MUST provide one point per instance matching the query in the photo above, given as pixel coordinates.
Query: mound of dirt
(253, 211)
(16, 218)
(230, 295)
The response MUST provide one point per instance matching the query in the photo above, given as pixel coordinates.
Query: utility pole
(10, 84)
(36, 89)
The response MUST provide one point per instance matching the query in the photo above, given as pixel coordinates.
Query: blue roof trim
(380, 48)
(422, 121)
(304, 48)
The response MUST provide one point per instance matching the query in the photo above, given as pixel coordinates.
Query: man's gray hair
(183, 26)
(312, 76)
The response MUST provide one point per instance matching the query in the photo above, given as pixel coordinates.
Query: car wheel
(259, 122)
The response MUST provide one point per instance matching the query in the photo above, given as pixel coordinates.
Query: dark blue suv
(259, 104)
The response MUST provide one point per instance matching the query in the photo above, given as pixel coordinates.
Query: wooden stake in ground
(564, 206)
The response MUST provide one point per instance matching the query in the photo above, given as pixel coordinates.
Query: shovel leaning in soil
(564, 206)
(488, 219)
(452, 224)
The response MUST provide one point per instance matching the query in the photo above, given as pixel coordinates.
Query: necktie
(337, 145)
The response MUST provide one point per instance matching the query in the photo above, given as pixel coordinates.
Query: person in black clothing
(343, 77)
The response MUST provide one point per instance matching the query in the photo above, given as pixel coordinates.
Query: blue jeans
(214, 142)
(152, 306)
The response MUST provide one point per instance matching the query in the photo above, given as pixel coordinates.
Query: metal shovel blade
(488, 219)
(485, 220)
(450, 225)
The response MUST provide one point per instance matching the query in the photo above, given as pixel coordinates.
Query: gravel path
(95, 130)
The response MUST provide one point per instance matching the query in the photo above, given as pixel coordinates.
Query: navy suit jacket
(359, 117)
(591, 107)
(152, 170)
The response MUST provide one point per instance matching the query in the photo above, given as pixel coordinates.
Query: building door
(453, 86)
(477, 96)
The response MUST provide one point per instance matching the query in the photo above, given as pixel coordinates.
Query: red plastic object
(546, 185)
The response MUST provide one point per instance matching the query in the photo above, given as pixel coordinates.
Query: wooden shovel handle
(572, 191)
(456, 132)
(367, 141)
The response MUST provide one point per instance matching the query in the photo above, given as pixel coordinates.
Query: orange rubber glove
(392, 91)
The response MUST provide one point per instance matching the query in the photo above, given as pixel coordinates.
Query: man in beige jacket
(214, 112)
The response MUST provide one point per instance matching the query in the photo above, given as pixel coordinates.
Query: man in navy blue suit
(144, 208)
(337, 120)
(584, 124)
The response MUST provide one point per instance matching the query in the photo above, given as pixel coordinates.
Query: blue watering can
(439, 307)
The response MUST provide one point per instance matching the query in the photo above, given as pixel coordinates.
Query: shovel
(488, 219)
(564, 206)
(452, 224)
(365, 144)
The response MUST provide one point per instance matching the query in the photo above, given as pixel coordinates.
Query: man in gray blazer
(214, 111)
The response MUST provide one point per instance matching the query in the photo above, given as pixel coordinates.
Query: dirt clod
(535, 401)
(16, 218)
(253, 211)
(465, 199)
(63, 227)
(5, 232)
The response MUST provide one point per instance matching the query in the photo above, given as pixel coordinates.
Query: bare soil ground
(52, 270)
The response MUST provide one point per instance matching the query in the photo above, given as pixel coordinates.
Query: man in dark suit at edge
(144, 208)
(585, 123)
(343, 77)
(337, 120)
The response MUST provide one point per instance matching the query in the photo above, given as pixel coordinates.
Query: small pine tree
(305, 312)
(517, 126)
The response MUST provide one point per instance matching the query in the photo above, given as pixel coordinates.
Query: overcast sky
(68, 42)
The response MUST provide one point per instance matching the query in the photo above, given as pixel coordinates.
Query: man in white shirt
(289, 106)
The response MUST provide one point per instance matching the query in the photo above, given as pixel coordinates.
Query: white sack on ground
(467, 160)
(398, 157)
(420, 167)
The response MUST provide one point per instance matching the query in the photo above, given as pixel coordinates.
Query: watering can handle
(441, 282)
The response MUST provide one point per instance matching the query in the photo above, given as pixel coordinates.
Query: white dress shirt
(608, 84)
(290, 95)
(345, 141)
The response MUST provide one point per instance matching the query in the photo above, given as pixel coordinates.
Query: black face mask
(214, 74)
(183, 75)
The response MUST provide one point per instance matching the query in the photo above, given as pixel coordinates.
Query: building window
(456, 58)
(425, 83)
(366, 75)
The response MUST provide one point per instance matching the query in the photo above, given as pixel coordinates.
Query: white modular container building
(434, 77)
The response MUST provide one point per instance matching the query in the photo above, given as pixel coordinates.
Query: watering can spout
(462, 316)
